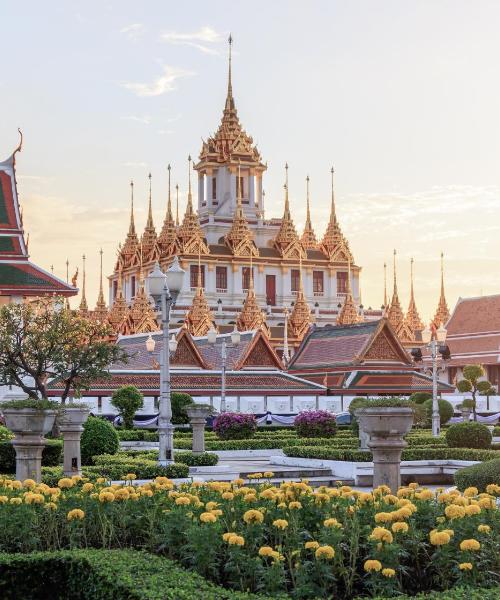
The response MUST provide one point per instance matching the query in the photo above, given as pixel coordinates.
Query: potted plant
(466, 408)
(386, 421)
(198, 414)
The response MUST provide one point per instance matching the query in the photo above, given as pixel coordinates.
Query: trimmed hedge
(98, 437)
(468, 435)
(104, 575)
(51, 455)
(205, 459)
(116, 467)
(457, 593)
(479, 476)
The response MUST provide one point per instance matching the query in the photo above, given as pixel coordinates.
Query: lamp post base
(436, 425)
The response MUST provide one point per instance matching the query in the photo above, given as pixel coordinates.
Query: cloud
(162, 85)
(197, 39)
(133, 31)
(146, 119)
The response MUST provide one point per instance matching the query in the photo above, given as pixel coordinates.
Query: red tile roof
(475, 315)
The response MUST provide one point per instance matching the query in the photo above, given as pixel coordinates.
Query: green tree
(179, 402)
(128, 400)
(44, 342)
(471, 383)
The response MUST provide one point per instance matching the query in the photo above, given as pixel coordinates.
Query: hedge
(205, 459)
(116, 467)
(457, 593)
(104, 575)
(328, 453)
(468, 435)
(479, 475)
(51, 455)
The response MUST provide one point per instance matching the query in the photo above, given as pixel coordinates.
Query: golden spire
(148, 240)
(348, 314)
(168, 235)
(442, 313)
(333, 244)
(199, 319)
(131, 242)
(101, 310)
(84, 309)
(240, 238)
(308, 239)
(412, 317)
(251, 316)
(386, 307)
(287, 234)
(190, 234)
(396, 316)
(177, 205)
(229, 97)
(118, 313)
(300, 319)
(141, 316)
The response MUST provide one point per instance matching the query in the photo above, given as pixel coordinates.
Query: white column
(201, 190)
(208, 190)
(233, 189)
(259, 191)
(251, 189)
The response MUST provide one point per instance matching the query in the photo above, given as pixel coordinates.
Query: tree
(470, 383)
(44, 342)
(128, 400)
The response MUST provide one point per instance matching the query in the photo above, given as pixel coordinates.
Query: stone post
(29, 425)
(363, 437)
(465, 414)
(386, 427)
(197, 416)
(70, 425)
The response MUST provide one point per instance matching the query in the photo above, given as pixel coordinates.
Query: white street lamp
(432, 341)
(165, 288)
(235, 340)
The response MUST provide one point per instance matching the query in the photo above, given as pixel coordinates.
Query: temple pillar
(201, 190)
(251, 189)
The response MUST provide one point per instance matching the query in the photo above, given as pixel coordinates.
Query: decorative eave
(251, 316)
(199, 319)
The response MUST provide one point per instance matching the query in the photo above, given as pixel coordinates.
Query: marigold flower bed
(329, 542)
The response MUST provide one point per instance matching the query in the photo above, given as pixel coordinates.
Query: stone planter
(386, 427)
(29, 427)
(198, 416)
(363, 436)
(71, 426)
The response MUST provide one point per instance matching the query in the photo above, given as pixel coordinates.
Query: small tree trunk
(56, 432)
(474, 407)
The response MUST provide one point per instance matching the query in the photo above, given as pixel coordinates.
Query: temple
(20, 279)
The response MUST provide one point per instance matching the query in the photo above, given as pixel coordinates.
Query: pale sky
(402, 97)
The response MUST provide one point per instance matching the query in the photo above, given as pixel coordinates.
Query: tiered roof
(190, 234)
(348, 314)
(442, 313)
(287, 241)
(167, 240)
(413, 319)
(199, 319)
(308, 238)
(119, 311)
(101, 310)
(396, 316)
(300, 319)
(240, 237)
(334, 244)
(251, 316)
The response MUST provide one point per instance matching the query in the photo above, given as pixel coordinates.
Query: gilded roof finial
(442, 313)
(396, 315)
(287, 237)
(101, 311)
(67, 270)
(333, 214)
(83, 304)
(177, 205)
(385, 288)
(149, 238)
(412, 317)
(150, 208)
(229, 78)
(308, 239)
(132, 222)
(348, 314)
(168, 235)
(334, 244)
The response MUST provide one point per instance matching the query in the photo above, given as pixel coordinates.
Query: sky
(402, 97)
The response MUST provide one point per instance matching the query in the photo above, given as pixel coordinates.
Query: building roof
(18, 275)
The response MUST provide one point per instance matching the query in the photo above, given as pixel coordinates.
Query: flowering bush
(315, 423)
(235, 426)
(323, 543)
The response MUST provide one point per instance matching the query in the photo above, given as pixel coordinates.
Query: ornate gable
(384, 346)
(187, 354)
(260, 354)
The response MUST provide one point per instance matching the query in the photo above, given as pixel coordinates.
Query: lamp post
(165, 288)
(432, 341)
(235, 340)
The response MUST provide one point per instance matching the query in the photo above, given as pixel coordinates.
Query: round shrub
(128, 400)
(479, 476)
(180, 402)
(315, 423)
(98, 437)
(420, 397)
(235, 426)
(468, 435)
(445, 410)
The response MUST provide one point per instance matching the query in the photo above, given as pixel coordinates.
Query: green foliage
(205, 459)
(468, 435)
(35, 403)
(116, 467)
(467, 403)
(128, 400)
(51, 455)
(471, 383)
(479, 476)
(389, 402)
(358, 402)
(473, 372)
(420, 397)
(104, 575)
(180, 402)
(457, 593)
(464, 386)
(98, 437)
(5, 434)
(445, 410)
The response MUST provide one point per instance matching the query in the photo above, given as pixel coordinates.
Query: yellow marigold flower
(413, 485)
(487, 503)
(250, 498)
(280, 524)
(399, 527)
(30, 498)
(333, 493)
(106, 497)
(439, 538)
(440, 519)
(388, 572)
(332, 523)
(101, 480)
(65, 482)
(253, 516)
(76, 513)
(266, 551)
(372, 565)
(470, 492)
(324, 552)
(16, 484)
(236, 540)
(122, 494)
(268, 474)
(467, 566)
(182, 501)
(493, 489)
(484, 528)
(4, 499)
(87, 487)
(208, 517)
(51, 506)
(254, 476)
(16, 501)
(311, 545)
(227, 496)
(148, 493)
(472, 509)
(390, 499)
(425, 494)
(460, 501)
(453, 511)
(268, 494)
(238, 481)
(295, 505)
(217, 512)
(130, 476)
(29, 484)
(364, 497)
(383, 517)
(381, 534)
(227, 535)
(471, 544)
(134, 496)
(211, 505)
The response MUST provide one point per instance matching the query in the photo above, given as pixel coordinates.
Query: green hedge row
(51, 455)
(205, 459)
(116, 467)
(328, 453)
(479, 475)
(457, 593)
(104, 575)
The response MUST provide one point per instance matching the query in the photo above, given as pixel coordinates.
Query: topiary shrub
(479, 476)
(468, 435)
(420, 397)
(445, 410)
(128, 400)
(235, 426)
(315, 423)
(98, 437)
(180, 402)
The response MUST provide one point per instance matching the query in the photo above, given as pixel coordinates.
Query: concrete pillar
(71, 426)
(197, 417)
(201, 190)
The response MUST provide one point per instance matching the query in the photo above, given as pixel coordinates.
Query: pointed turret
(385, 305)
(189, 233)
(348, 314)
(118, 313)
(167, 240)
(395, 315)
(334, 244)
(412, 317)
(240, 238)
(141, 317)
(101, 310)
(131, 244)
(199, 319)
(83, 308)
(300, 319)
(251, 316)
(308, 239)
(442, 313)
(148, 240)
(287, 240)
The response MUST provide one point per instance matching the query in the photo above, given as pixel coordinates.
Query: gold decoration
(101, 310)
(308, 239)
(199, 318)
(334, 244)
(118, 313)
(348, 313)
(141, 317)
(83, 308)
(131, 244)
(167, 240)
(442, 313)
(149, 239)
(287, 241)
(190, 234)
(413, 319)
(396, 316)
(300, 319)
(251, 316)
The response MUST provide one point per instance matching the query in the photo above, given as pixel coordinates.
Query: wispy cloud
(162, 85)
(146, 119)
(203, 40)
(134, 31)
